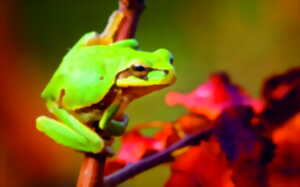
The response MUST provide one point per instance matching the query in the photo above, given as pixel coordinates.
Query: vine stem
(151, 161)
(91, 172)
(132, 10)
(92, 169)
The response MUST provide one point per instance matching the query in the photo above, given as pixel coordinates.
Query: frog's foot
(64, 135)
(116, 127)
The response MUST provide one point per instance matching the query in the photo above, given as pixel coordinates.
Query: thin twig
(151, 161)
(91, 172)
(132, 10)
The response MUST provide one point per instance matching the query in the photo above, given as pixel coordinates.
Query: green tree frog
(93, 85)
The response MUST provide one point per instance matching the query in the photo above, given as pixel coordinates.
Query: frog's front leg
(110, 125)
(70, 131)
(113, 119)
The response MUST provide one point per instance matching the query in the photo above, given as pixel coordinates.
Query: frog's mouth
(135, 86)
(151, 77)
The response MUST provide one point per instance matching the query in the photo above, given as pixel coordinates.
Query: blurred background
(249, 39)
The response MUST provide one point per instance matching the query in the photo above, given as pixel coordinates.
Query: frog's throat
(154, 78)
(133, 92)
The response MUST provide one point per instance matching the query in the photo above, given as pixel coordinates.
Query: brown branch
(151, 161)
(132, 10)
(91, 172)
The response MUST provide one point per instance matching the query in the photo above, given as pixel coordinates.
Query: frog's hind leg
(67, 136)
(69, 131)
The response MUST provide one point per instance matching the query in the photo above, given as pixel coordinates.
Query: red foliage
(113, 165)
(212, 97)
(252, 145)
(203, 165)
(136, 146)
(285, 168)
(235, 132)
(282, 97)
(192, 123)
(166, 137)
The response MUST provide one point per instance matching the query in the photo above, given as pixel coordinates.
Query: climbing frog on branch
(93, 85)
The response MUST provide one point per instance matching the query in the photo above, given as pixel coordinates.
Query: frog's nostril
(166, 72)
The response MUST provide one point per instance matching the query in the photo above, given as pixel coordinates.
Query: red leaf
(282, 95)
(193, 123)
(204, 165)
(166, 137)
(285, 168)
(112, 166)
(234, 131)
(212, 97)
(135, 146)
(248, 152)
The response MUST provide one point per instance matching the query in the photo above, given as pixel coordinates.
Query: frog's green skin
(86, 76)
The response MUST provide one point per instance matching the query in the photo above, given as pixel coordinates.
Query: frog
(93, 85)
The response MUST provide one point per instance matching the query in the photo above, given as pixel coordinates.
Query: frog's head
(145, 72)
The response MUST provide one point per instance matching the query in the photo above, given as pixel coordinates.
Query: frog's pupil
(139, 68)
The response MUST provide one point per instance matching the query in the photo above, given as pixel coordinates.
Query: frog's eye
(171, 59)
(139, 70)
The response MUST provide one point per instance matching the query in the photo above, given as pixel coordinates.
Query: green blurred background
(249, 39)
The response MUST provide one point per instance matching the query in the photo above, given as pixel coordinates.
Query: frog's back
(83, 78)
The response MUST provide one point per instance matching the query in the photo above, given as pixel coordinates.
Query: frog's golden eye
(139, 70)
